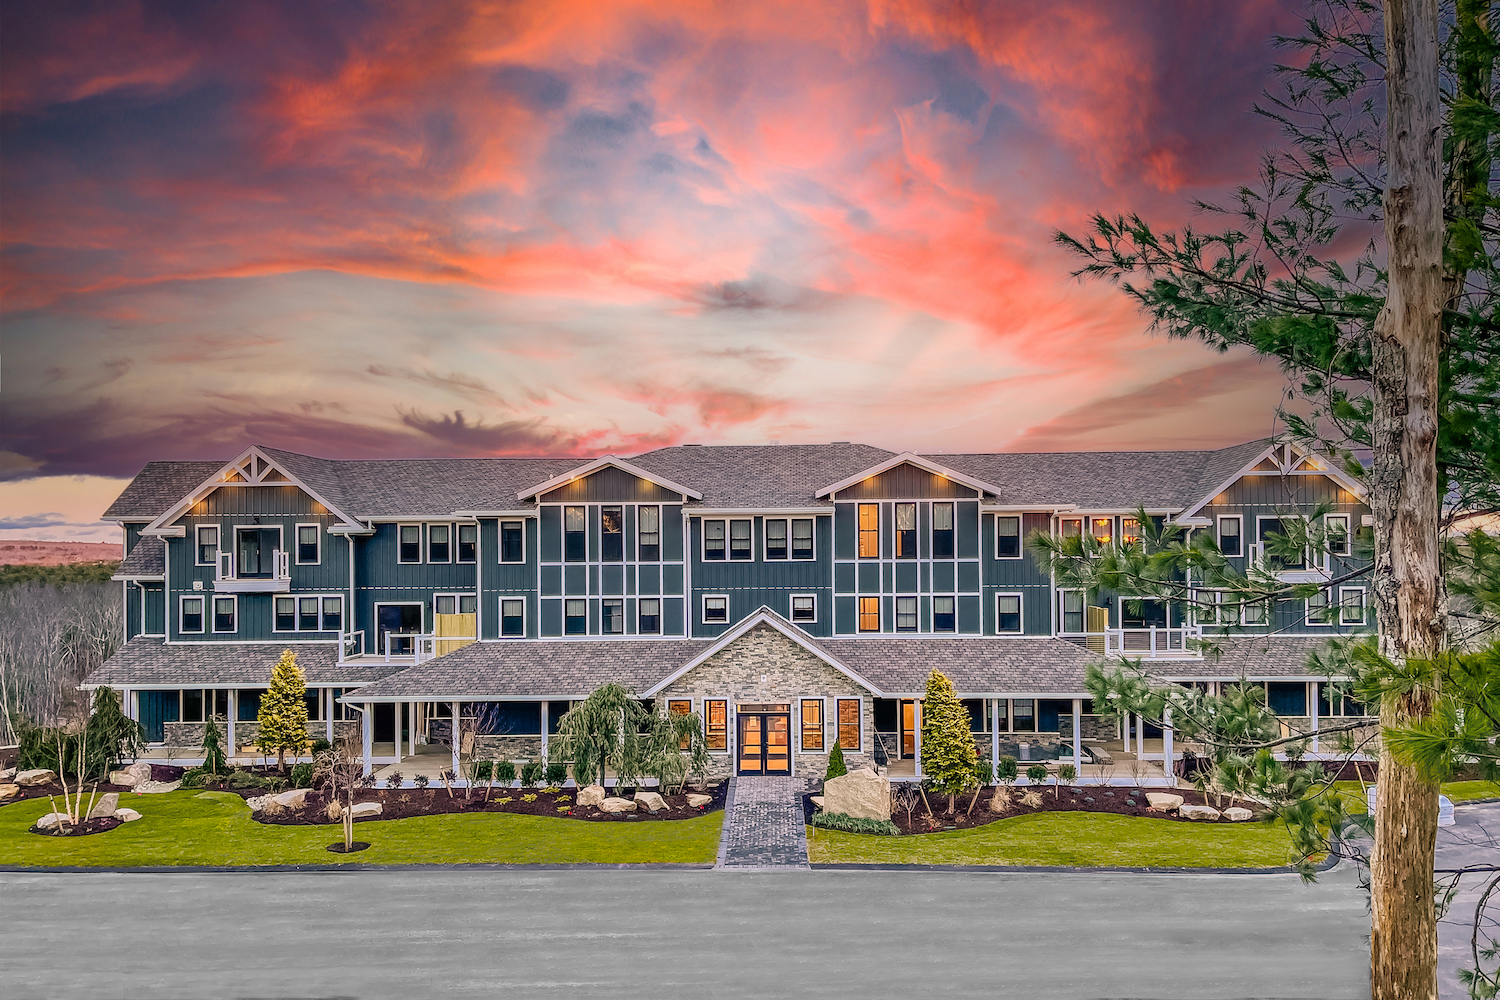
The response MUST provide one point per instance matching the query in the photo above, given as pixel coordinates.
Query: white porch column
(1166, 746)
(1140, 737)
(1312, 711)
(234, 709)
(456, 735)
(411, 727)
(328, 711)
(994, 732)
(1078, 735)
(546, 712)
(916, 736)
(367, 735)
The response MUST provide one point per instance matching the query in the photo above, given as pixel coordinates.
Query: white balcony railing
(228, 580)
(421, 646)
(1308, 572)
(1153, 642)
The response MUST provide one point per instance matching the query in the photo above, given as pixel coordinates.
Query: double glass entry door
(765, 742)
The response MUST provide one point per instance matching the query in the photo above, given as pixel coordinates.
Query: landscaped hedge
(851, 824)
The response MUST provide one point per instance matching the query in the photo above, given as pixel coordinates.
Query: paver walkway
(763, 828)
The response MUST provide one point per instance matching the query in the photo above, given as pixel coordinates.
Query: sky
(544, 228)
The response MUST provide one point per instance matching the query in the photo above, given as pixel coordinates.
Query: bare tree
(51, 638)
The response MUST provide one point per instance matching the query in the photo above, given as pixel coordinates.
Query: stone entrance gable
(765, 665)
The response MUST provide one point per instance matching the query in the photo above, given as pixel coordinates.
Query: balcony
(1151, 643)
(278, 581)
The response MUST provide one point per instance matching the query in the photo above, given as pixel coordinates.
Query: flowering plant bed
(404, 803)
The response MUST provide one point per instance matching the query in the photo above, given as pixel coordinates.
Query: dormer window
(942, 531)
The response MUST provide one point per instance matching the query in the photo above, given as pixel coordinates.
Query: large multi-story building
(793, 595)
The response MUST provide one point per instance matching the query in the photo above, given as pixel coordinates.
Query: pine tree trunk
(1404, 496)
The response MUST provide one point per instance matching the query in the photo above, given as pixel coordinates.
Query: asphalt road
(575, 934)
(1474, 839)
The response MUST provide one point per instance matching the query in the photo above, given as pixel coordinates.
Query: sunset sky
(428, 229)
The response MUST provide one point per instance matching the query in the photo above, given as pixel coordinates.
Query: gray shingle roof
(148, 558)
(157, 487)
(1257, 656)
(761, 476)
(153, 662)
(977, 666)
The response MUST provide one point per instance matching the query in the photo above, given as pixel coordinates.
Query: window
(1130, 530)
(1336, 529)
(512, 617)
(1317, 609)
(247, 701)
(1228, 612)
(776, 540)
(208, 545)
(192, 705)
(468, 543)
(409, 549)
(1008, 613)
(1351, 605)
(455, 604)
(713, 541)
(192, 615)
(1231, 539)
(906, 614)
(1269, 526)
(716, 609)
(286, 614)
(649, 534)
(1287, 697)
(333, 614)
(942, 531)
(1253, 613)
(1007, 537)
(1103, 529)
(308, 544)
(1072, 527)
(512, 541)
(614, 617)
(716, 724)
(869, 614)
(438, 548)
(224, 615)
(849, 727)
(313, 698)
(869, 531)
(739, 540)
(1023, 715)
(906, 531)
(802, 538)
(682, 706)
(611, 534)
(1072, 611)
(575, 537)
(650, 616)
(942, 615)
(576, 614)
(302, 614)
(812, 724)
(804, 608)
(307, 614)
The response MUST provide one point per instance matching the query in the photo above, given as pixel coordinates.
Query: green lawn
(179, 829)
(1067, 838)
(1352, 792)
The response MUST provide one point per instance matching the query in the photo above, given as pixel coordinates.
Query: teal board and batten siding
(230, 507)
(758, 582)
(133, 534)
(1024, 576)
(610, 485)
(381, 578)
(906, 482)
(503, 581)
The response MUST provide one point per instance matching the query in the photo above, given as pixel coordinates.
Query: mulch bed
(1117, 799)
(159, 772)
(404, 803)
(83, 829)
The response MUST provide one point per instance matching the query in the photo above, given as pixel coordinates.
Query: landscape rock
(699, 801)
(105, 805)
(1164, 801)
(119, 778)
(590, 795)
(36, 776)
(136, 773)
(156, 787)
(1198, 812)
(653, 801)
(8, 775)
(294, 799)
(818, 800)
(860, 794)
(364, 810)
(127, 815)
(1238, 814)
(50, 820)
(614, 804)
(258, 803)
(9, 791)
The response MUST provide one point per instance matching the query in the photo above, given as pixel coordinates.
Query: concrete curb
(728, 819)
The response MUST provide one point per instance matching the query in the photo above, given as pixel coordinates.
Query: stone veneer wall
(791, 674)
(189, 735)
(507, 748)
(1098, 728)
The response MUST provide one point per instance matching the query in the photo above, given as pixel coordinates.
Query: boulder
(50, 820)
(860, 794)
(258, 803)
(1238, 814)
(105, 805)
(294, 799)
(653, 801)
(127, 815)
(156, 787)
(36, 776)
(698, 801)
(8, 775)
(590, 795)
(364, 810)
(818, 800)
(9, 791)
(135, 774)
(119, 778)
(1198, 812)
(614, 804)
(1163, 801)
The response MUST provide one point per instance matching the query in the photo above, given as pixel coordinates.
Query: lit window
(438, 550)
(776, 540)
(713, 540)
(512, 541)
(906, 531)
(192, 615)
(410, 547)
(649, 545)
(739, 540)
(716, 724)
(716, 609)
(942, 615)
(286, 614)
(849, 727)
(1072, 527)
(1352, 605)
(468, 543)
(1008, 537)
(614, 617)
(208, 545)
(906, 614)
(869, 531)
(575, 540)
(942, 531)
(802, 538)
(804, 608)
(513, 617)
(812, 724)
(1103, 529)
(681, 707)
(1008, 613)
(611, 534)
(1130, 530)
(1231, 540)
(224, 614)
(307, 543)
(869, 614)
(650, 613)
(576, 613)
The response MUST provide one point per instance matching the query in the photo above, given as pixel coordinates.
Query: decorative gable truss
(252, 468)
(1281, 460)
(607, 462)
(915, 461)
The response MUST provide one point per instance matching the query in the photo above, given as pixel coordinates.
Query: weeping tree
(613, 730)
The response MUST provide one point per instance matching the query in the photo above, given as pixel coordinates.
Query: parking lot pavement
(1474, 839)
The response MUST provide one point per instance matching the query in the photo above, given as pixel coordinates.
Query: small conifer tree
(836, 766)
(213, 748)
(283, 711)
(948, 754)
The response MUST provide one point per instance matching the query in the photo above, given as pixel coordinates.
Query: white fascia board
(171, 531)
(1194, 522)
(162, 524)
(1332, 472)
(759, 511)
(970, 695)
(910, 458)
(142, 578)
(595, 466)
(475, 514)
(1027, 508)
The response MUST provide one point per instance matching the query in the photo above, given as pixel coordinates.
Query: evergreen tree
(283, 711)
(213, 748)
(836, 766)
(948, 754)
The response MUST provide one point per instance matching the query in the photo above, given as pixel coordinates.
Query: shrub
(836, 766)
(247, 779)
(1007, 771)
(394, 779)
(1067, 773)
(421, 781)
(1037, 774)
(984, 772)
(532, 772)
(302, 775)
(529, 798)
(480, 770)
(851, 824)
(557, 773)
(948, 753)
(505, 772)
(321, 745)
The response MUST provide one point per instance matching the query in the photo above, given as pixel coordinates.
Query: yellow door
(778, 744)
(751, 745)
(908, 729)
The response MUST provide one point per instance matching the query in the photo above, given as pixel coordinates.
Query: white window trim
(586, 624)
(285, 597)
(862, 735)
(823, 712)
(1020, 538)
(197, 546)
(703, 540)
(1307, 557)
(1328, 611)
(638, 508)
(896, 613)
(879, 614)
(1328, 521)
(1265, 608)
(214, 599)
(791, 608)
(1062, 611)
(500, 541)
(791, 549)
(623, 605)
(395, 604)
(657, 598)
(954, 599)
(879, 531)
(427, 543)
(765, 539)
(203, 619)
(932, 530)
(588, 544)
(457, 596)
(421, 544)
(458, 559)
(729, 539)
(1364, 607)
(297, 613)
(1021, 611)
(500, 621)
(703, 609)
(297, 540)
(1219, 534)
